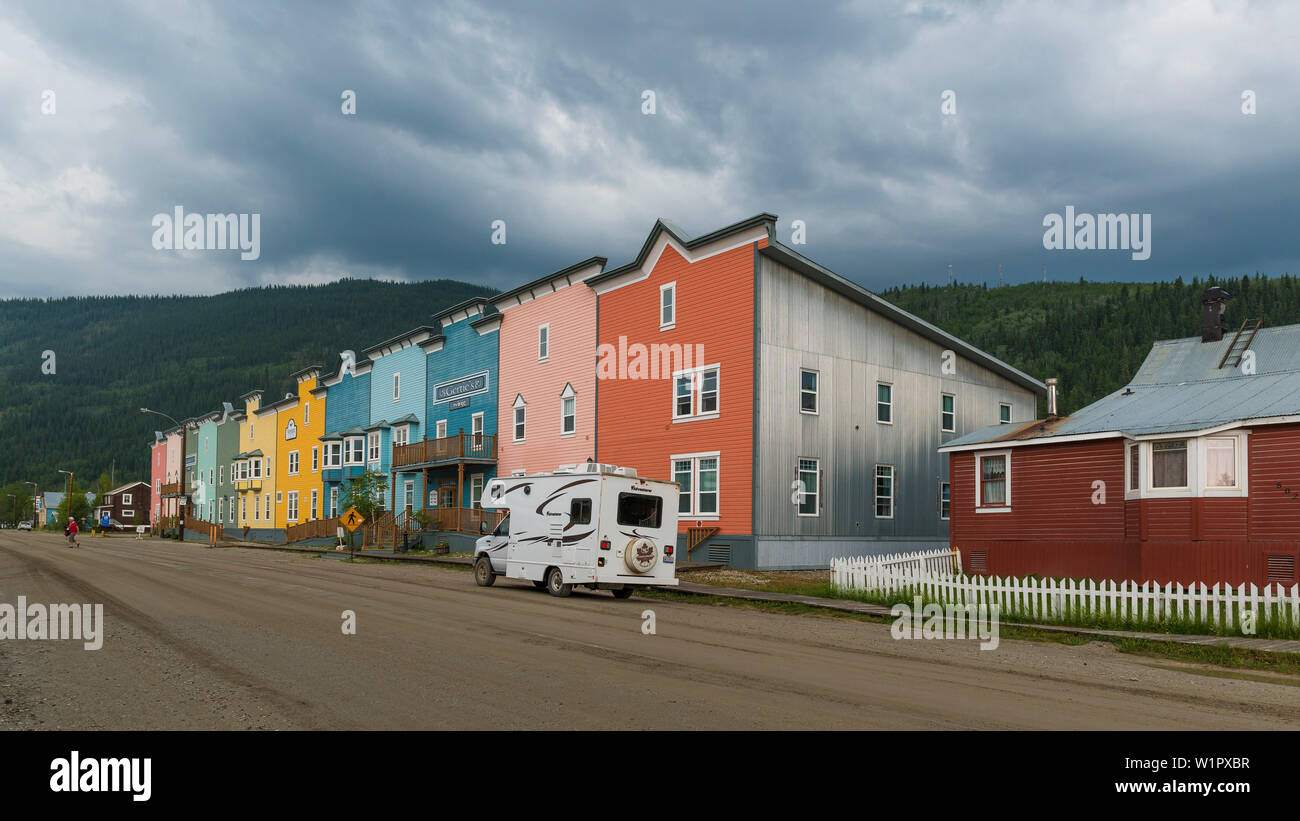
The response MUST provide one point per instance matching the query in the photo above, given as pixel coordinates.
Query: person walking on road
(71, 532)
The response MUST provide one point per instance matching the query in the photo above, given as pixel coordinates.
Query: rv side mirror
(482, 526)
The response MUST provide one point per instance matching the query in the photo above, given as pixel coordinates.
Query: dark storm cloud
(467, 113)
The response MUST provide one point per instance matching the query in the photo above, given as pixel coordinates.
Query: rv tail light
(604, 544)
(668, 550)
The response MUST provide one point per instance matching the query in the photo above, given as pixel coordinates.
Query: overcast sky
(531, 113)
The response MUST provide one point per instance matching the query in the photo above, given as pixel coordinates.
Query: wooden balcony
(171, 489)
(457, 447)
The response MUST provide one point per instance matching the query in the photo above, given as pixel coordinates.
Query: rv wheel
(483, 575)
(623, 593)
(555, 583)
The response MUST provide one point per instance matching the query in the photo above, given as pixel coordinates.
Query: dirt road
(231, 639)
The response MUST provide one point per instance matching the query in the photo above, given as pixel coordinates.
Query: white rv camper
(595, 525)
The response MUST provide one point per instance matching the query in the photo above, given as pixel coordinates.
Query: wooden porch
(456, 447)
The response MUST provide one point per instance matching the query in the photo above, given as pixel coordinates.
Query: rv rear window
(639, 511)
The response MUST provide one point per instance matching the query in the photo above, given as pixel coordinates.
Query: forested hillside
(180, 355)
(184, 355)
(1090, 335)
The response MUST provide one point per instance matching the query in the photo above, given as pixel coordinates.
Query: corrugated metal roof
(1180, 387)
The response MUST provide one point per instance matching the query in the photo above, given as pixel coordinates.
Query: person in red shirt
(71, 532)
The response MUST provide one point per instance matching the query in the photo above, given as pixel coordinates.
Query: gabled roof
(125, 486)
(546, 283)
(1180, 388)
(410, 336)
(685, 240)
(409, 418)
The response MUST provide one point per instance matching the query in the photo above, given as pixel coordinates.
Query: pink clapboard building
(547, 390)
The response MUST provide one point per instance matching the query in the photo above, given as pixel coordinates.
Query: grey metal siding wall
(807, 326)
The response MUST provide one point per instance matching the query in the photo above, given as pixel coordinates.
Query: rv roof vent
(626, 471)
(567, 469)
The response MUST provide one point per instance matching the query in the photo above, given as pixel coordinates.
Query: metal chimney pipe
(1051, 396)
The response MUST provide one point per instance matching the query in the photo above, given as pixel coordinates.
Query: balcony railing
(448, 448)
(171, 489)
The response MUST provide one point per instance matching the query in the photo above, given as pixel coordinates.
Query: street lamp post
(36, 492)
(72, 481)
(181, 483)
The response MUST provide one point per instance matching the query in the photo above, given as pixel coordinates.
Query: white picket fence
(931, 576)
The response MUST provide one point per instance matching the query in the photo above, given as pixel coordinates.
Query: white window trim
(889, 404)
(697, 387)
(315, 459)
(817, 496)
(980, 507)
(347, 451)
(482, 483)
(568, 394)
(1197, 468)
(126, 498)
(295, 462)
(440, 429)
(1010, 411)
(667, 326)
(942, 396)
(397, 387)
(377, 448)
(893, 491)
(516, 423)
(408, 492)
(942, 517)
(695, 483)
(481, 422)
(542, 356)
(291, 506)
(817, 392)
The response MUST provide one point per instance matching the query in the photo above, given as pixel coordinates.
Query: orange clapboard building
(753, 377)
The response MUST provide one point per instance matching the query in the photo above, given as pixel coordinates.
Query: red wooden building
(1189, 473)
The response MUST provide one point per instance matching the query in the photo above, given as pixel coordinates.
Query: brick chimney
(1213, 321)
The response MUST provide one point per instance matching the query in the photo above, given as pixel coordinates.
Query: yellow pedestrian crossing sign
(352, 520)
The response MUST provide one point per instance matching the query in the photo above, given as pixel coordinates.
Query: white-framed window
(1221, 463)
(1004, 413)
(334, 501)
(993, 481)
(1134, 470)
(315, 499)
(257, 508)
(810, 487)
(315, 458)
(243, 509)
(476, 428)
(126, 498)
(356, 447)
(945, 500)
(476, 491)
(333, 454)
(373, 446)
(293, 463)
(221, 509)
(267, 503)
(809, 400)
(408, 494)
(667, 306)
(568, 411)
(1169, 464)
(521, 419)
(884, 403)
(397, 386)
(440, 429)
(543, 342)
(695, 393)
(128, 514)
(256, 465)
(401, 435)
(306, 414)
(884, 491)
(292, 514)
(948, 413)
(221, 474)
(698, 475)
(279, 497)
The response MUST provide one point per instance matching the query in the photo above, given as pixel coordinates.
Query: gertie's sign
(460, 388)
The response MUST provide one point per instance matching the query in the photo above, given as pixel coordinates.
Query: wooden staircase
(695, 536)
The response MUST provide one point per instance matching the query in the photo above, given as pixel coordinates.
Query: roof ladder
(1239, 352)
